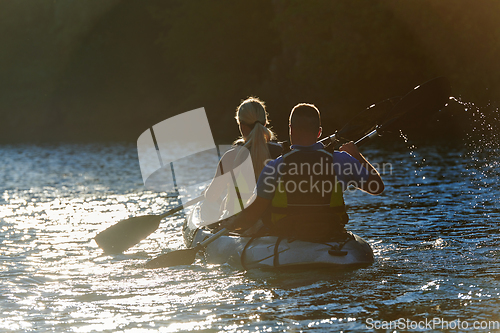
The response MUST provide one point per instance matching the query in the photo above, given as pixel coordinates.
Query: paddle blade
(366, 121)
(127, 233)
(419, 105)
(175, 258)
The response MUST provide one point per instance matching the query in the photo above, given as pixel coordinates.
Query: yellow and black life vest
(308, 198)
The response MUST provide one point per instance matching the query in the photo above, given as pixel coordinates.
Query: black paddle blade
(127, 233)
(174, 258)
(419, 105)
(366, 121)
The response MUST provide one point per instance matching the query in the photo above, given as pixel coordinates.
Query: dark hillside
(107, 70)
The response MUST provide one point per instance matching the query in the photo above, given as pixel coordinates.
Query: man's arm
(375, 184)
(248, 216)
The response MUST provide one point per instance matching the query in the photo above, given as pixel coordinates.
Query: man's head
(305, 124)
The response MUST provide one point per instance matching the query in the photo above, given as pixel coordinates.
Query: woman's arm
(248, 216)
(219, 183)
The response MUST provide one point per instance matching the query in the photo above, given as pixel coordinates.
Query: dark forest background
(109, 69)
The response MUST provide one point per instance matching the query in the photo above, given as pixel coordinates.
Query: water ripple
(434, 232)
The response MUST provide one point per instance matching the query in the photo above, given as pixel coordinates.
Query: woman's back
(255, 140)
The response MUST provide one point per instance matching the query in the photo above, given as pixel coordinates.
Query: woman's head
(250, 113)
(251, 116)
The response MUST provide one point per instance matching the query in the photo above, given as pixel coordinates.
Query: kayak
(244, 253)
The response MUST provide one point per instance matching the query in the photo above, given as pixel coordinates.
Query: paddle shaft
(182, 206)
(332, 137)
(182, 257)
(358, 142)
(217, 235)
(367, 137)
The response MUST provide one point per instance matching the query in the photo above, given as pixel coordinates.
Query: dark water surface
(435, 233)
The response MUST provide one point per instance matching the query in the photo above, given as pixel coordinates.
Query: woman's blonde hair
(252, 112)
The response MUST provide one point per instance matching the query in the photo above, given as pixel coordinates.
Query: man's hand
(351, 149)
(374, 185)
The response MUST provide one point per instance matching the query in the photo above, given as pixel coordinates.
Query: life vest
(308, 201)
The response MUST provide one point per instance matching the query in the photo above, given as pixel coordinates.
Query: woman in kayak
(255, 141)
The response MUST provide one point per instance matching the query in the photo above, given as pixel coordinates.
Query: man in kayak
(299, 195)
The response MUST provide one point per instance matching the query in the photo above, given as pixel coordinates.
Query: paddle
(364, 122)
(428, 97)
(128, 232)
(184, 256)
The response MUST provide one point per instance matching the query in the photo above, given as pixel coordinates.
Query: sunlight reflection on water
(434, 233)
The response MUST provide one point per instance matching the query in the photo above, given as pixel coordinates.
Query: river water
(434, 231)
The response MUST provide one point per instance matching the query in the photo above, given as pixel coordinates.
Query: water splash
(483, 153)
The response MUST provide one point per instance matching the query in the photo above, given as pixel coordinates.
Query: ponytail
(257, 144)
(252, 112)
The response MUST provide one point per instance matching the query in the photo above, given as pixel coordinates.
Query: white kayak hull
(271, 252)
